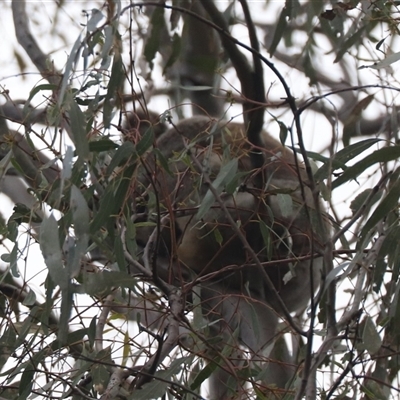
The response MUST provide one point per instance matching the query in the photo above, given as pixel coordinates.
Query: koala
(205, 239)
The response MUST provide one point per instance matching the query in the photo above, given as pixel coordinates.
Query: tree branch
(28, 42)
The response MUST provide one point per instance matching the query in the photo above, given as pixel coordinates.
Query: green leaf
(12, 227)
(389, 202)
(100, 375)
(285, 202)
(266, 235)
(370, 337)
(130, 241)
(51, 250)
(78, 130)
(119, 253)
(225, 175)
(390, 59)
(283, 132)
(292, 8)
(113, 198)
(68, 165)
(162, 161)
(13, 261)
(105, 281)
(389, 252)
(205, 373)
(81, 219)
(157, 23)
(30, 299)
(65, 313)
(5, 163)
(101, 145)
(218, 236)
(115, 85)
(308, 66)
(145, 142)
(28, 326)
(350, 42)
(45, 87)
(159, 386)
(95, 18)
(108, 42)
(53, 114)
(8, 342)
(279, 31)
(72, 338)
(343, 156)
(357, 203)
(91, 332)
(176, 51)
(232, 185)
(382, 155)
(80, 213)
(121, 156)
(26, 382)
(77, 47)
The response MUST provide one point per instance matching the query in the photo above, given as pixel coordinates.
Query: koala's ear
(140, 122)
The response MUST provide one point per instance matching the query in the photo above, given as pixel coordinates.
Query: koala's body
(275, 220)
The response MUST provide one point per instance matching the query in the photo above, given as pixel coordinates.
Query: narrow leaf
(279, 31)
(382, 155)
(343, 156)
(390, 202)
(80, 212)
(157, 23)
(392, 58)
(350, 42)
(77, 47)
(113, 199)
(26, 110)
(51, 250)
(115, 85)
(205, 373)
(176, 51)
(81, 219)
(371, 339)
(121, 156)
(78, 130)
(225, 175)
(146, 142)
(95, 18)
(25, 385)
(101, 145)
(65, 313)
(285, 202)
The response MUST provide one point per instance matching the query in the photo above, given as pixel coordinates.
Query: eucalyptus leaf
(370, 337)
(77, 47)
(388, 203)
(225, 175)
(51, 250)
(157, 24)
(78, 130)
(80, 218)
(279, 31)
(94, 20)
(124, 153)
(285, 202)
(386, 62)
(343, 156)
(382, 155)
(112, 199)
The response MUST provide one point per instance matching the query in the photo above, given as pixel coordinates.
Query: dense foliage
(325, 75)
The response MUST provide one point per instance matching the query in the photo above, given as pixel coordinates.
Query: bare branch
(28, 42)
